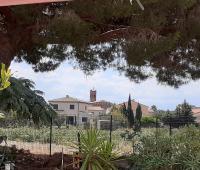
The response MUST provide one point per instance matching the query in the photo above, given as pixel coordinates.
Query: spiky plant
(96, 151)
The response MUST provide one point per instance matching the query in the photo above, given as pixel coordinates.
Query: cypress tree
(138, 117)
(130, 114)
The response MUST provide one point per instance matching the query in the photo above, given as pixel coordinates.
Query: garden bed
(24, 160)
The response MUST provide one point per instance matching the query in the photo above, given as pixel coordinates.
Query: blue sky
(110, 85)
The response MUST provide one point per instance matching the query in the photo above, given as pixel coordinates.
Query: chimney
(93, 95)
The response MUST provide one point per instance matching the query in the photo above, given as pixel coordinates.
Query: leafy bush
(153, 151)
(25, 102)
(59, 121)
(159, 151)
(148, 121)
(180, 117)
(187, 148)
(61, 135)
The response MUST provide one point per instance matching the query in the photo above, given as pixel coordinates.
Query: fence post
(79, 147)
(111, 118)
(62, 160)
(170, 126)
(51, 135)
(156, 127)
(79, 141)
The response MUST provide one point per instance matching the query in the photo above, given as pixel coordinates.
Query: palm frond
(25, 101)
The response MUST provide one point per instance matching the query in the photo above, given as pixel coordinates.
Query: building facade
(76, 112)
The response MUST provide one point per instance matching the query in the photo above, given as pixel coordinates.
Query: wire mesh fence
(52, 139)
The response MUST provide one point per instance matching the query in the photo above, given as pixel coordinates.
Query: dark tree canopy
(138, 117)
(161, 41)
(181, 116)
(24, 102)
(130, 114)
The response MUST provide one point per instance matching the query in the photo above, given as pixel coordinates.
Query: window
(55, 106)
(85, 107)
(71, 107)
(84, 119)
(71, 120)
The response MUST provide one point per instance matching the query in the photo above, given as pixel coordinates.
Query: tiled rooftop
(68, 98)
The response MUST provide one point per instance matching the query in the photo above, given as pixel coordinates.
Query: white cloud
(109, 85)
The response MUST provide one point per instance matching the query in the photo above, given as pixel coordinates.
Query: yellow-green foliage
(117, 113)
(5, 76)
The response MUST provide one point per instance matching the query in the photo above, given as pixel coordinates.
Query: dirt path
(124, 148)
(39, 148)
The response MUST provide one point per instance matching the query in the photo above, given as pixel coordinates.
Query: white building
(76, 111)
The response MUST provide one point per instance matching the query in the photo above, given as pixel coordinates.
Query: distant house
(106, 105)
(196, 113)
(76, 111)
(96, 110)
(79, 112)
(146, 110)
(103, 104)
(73, 109)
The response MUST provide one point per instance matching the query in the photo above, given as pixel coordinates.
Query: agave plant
(96, 152)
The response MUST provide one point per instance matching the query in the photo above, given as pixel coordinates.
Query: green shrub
(154, 151)
(60, 136)
(187, 148)
(159, 151)
(148, 121)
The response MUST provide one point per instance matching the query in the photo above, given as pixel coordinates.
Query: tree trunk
(6, 50)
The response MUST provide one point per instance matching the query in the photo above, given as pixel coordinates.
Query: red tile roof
(146, 111)
(196, 113)
(68, 98)
(196, 110)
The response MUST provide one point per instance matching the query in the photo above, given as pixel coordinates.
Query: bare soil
(24, 160)
(41, 148)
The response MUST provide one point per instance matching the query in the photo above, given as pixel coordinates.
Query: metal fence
(53, 138)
